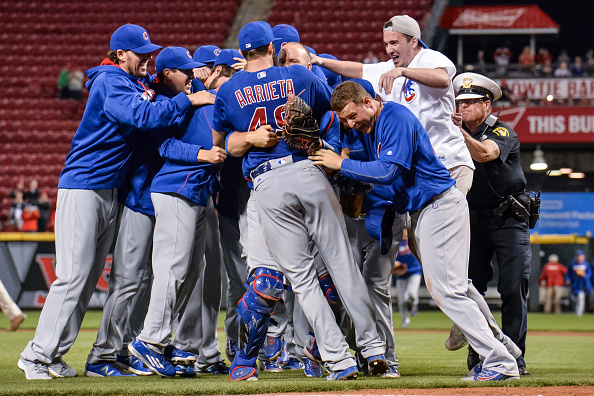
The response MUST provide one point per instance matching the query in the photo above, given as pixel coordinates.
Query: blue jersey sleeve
(126, 107)
(179, 152)
(377, 172)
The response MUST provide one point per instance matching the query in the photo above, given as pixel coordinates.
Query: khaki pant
(552, 295)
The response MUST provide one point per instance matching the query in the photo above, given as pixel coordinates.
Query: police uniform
(496, 231)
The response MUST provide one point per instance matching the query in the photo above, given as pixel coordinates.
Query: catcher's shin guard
(329, 291)
(254, 310)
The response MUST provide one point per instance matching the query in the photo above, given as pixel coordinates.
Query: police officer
(499, 208)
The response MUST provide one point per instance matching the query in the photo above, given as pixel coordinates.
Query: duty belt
(275, 163)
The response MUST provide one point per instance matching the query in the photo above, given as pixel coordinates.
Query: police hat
(476, 86)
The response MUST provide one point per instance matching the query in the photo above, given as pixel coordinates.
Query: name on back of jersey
(264, 92)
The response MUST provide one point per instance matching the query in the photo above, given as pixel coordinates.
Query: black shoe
(361, 363)
(523, 371)
(473, 358)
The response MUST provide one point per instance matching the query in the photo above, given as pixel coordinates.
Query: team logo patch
(188, 53)
(434, 206)
(145, 36)
(248, 45)
(389, 152)
(281, 161)
(262, 74)
(217, 52)
(501, 131)
(409, 90)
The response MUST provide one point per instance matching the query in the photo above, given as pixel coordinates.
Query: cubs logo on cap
(476, 86)
(207, 54)
(132, 38)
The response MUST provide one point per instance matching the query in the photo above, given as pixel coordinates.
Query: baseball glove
(352, 193)
(300, 129)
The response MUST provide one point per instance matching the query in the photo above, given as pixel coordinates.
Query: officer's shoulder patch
(501, 131)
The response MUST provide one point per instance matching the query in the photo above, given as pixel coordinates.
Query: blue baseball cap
(285, 34)
(255, 34)
(580, 252)
(226, 57)
(175, 58)
(132, 38)
(207, 54)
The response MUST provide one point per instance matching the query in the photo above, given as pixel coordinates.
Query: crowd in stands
(30, 209)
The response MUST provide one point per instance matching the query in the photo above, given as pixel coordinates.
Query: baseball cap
(175, 58)
(226, 57)
(476, 86)
(255, 34)
(285, 34)
(207, 54)
(132, 38)
(579, 252)
(405, 25)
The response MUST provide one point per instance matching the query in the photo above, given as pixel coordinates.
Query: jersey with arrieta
(252, 99)
(402, 157)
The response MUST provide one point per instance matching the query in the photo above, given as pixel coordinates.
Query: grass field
(552, 359)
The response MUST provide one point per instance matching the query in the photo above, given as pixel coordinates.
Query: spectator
(552, 279)
(32, 194)
(563, 57)
(579, 275)
(371, 58)
(481, 65)
(20, 187)
(10, 309)
(502, 57)
(547, 69)
(526, 60)
(30, 218)
(578, 68)
(44, 205)
(75, 84)
(543, 57)
(63, 83)
(589, 66)
(16, 211)
(562, 70)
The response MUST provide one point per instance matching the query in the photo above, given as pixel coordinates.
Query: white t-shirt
(432, 106)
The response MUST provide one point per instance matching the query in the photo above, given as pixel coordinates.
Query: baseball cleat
(216, 368)
(177, 356)
(272, 348)
(312, 369)
(293, 364)
(185, 371)
(342, 375)
(476, 370)
(34, 370)
(377, 364)
(104, 370)
(392, 372)
(270, 366)
(152, 358)
(60, 369)
(15, 323)
(230, 350)
(490, 375)
(133, 365)
(244, 373)
(456, 340)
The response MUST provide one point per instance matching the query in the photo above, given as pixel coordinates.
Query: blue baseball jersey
(401, 156)
(189, 178)
(252, 99)
(405, 256)
(147, 161)
(118, 105)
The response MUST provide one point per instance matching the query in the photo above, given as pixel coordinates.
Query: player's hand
(386, 81)
(316, 60)
(201, 73)
(263, 137)
(240, 65)
(327, 158)
(399, 268)
(213, 156)
(202, 98)
(457, 119)
(345, 152)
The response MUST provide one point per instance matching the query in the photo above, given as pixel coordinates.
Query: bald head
(294, 54)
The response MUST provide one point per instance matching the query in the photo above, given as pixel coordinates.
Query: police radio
(489, 122)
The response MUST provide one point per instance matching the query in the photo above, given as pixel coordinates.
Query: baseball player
(203, 306)
(404, 159)
(420, 79)
(180, 193)
(130, 274)
(205, 55)
(248, 110)
(119, 103)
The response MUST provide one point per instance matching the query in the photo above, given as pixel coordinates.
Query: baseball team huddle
(240, 158)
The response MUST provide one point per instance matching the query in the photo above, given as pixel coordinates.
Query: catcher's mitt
(351, 195)
(300, 129)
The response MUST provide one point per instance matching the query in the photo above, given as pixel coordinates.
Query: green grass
(424, 363)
